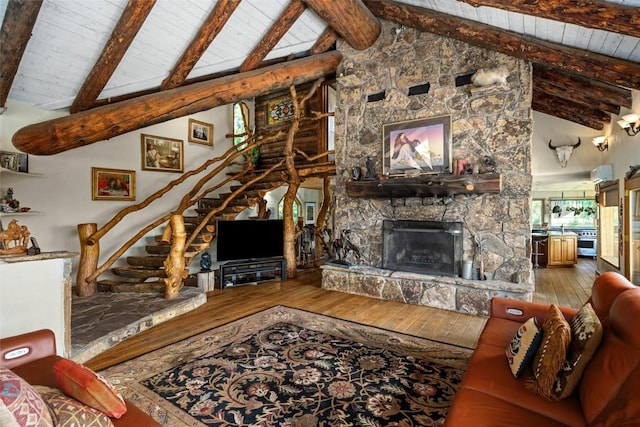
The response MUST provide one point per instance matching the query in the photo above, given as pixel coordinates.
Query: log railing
(179, 257)
(90, 235)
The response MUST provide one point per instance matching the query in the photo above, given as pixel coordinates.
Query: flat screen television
(249, 239)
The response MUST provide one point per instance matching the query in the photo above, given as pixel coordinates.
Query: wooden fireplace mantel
(426, 186)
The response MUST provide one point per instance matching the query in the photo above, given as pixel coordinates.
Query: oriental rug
(288, 367)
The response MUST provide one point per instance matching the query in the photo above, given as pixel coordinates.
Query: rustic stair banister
(90, 236)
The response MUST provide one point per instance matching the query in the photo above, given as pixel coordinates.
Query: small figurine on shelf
(205, 262)
(9, 204)
(371, 172)
(14, 239)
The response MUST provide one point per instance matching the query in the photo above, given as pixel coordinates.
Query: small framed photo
(310, 212)
(17, 162)
(421, 146)
(113, 184)
(200, 132)
(162, 154)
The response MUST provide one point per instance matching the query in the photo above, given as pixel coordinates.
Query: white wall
(63, 193)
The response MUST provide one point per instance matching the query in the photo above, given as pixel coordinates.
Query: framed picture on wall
(310, 213)
(280, 110)
(200, 132)
(162, 154)
(421, 146)
(113, 184)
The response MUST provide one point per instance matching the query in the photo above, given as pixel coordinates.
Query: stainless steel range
(587, 243)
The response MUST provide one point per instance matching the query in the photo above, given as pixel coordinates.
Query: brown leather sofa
(36, 367)
(608, 393)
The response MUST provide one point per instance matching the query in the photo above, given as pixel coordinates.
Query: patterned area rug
(288, 367)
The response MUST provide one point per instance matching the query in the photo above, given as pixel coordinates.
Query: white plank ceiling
(69, 35)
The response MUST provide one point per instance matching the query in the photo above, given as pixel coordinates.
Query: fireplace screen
(426, 247)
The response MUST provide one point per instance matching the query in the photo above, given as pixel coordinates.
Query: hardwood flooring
(562, 286)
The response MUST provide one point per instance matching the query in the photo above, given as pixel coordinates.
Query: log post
(174, 264)
(102, 123)
(89, 254)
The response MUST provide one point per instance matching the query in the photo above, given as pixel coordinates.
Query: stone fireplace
(426, 247)
(412, 75)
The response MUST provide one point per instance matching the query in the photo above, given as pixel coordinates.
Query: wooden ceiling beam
(567, 110)
(209, 30)
(273, 36)
(552, 88)
(350, 19)
(19, 18)
(595, 14)
(576, 61)
(130, 22)
(102, 123)
(326, 40)
(594, 89)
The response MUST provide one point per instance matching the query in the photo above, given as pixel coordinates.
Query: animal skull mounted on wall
(564, 152)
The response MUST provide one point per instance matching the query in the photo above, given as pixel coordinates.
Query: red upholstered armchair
(32, 356)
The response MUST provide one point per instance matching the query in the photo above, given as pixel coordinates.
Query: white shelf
(26, 174)
(20, 213)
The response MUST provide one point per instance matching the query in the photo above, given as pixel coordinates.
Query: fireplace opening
(426, 247)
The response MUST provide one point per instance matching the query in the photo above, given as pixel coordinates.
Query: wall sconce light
(630, 123)
(601, 143)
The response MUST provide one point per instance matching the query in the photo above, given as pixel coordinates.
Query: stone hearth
(491, 128)
(448, 293)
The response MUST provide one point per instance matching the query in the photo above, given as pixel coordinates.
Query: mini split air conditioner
(602, 173)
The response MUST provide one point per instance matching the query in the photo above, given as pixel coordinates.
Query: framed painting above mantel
(415, 147)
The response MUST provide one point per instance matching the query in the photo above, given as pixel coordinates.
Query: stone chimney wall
(492, 122)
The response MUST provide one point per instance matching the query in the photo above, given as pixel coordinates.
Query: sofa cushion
(609, 386)
(68, 412)
(556, 337)
(83, 384)
(22, 402)
(488, 372)
(522, 348)
(586, 334)
(479, 409)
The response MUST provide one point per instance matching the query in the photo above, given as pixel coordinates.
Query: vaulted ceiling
(89, 55)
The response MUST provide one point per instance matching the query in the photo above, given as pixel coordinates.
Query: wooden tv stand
(251, 272)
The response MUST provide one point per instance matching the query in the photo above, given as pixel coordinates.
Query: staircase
(144, 273)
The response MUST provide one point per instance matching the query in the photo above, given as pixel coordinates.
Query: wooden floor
(562, 286)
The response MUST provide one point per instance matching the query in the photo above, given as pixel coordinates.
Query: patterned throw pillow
(68, 412)
(556, 337)
(586, 334)
(21, 404)
(83, 384)
(523, 346)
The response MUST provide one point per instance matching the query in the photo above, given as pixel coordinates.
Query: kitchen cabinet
(562, 249)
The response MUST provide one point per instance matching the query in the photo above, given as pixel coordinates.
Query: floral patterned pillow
(68, 412)
(20, 404)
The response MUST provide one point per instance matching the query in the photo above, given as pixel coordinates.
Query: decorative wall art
(17, 162)
(280, 110)
(112, 184)
(421, 146)
(162, 154)
(200, 132)
(310, 213)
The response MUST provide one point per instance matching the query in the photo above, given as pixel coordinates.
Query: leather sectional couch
(608, 393)
(36, 368)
